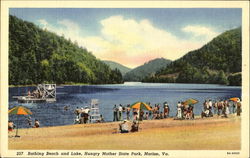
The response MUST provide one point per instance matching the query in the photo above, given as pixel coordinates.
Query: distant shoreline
(85, 84)
(66, 84)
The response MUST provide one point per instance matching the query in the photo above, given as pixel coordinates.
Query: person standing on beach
(210, 105)
(135, 114)
(226, 110)
(215, 105)
(115, 110)
(128, 111)
(179, 111)
(205, 105)
(220, 107)
(166, 110)
(124, 112)
(141, 115)
(234, 107)
(238, 107)
(120, 112)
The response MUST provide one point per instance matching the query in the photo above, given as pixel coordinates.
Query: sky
(133, 36)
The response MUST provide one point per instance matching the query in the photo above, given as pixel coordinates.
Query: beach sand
(215, 133)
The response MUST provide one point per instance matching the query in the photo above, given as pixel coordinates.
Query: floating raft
(26, 99)
(43, 93)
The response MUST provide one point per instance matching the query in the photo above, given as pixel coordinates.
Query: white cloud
(69, 25)
(197, 31)
(64, 27)
(131, 42)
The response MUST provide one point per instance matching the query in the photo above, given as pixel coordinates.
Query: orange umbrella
(235, 99)
(20, 110)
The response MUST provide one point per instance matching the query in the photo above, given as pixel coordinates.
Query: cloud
(134, 42)
(65, 27)
(69, 25)
(198, 32)
(131, 42)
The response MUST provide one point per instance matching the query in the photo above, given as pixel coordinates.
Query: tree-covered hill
(39, 56)
(147, 69)
(114, 65)
(218, 62)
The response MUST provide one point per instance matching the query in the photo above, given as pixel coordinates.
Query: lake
(53, 114)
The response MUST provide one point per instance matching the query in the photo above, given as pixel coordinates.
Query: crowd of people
(12, 126)
(222, 107)
(125, 112)
(82, 115)
(184, 111)
(35, 93)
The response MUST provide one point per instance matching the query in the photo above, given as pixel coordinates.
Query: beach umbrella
(141, 106)
(190, 101)
(235, 99)
(19, 110)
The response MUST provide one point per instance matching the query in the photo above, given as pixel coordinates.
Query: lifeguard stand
(94, 111)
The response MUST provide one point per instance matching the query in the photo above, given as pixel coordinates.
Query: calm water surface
(53, 114)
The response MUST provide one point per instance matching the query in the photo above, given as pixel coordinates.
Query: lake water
(53, 114)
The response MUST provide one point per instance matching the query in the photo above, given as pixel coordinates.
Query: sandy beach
(215, 133)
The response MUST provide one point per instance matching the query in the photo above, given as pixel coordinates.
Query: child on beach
(238, 108)
(11, 126)
(134, 127)
(29, 122)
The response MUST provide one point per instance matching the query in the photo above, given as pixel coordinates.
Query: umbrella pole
(17, 129)
(139, 114)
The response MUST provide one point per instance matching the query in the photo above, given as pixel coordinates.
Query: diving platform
(43, 93)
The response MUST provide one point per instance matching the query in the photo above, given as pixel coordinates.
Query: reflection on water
(53, 114)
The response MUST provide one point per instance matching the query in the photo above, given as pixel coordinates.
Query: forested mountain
(147, 69)
(40, 56)
(218, 62)
(114, 65)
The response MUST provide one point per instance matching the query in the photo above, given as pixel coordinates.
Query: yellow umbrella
(190, 101)
(235, 99)
(141, 105)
